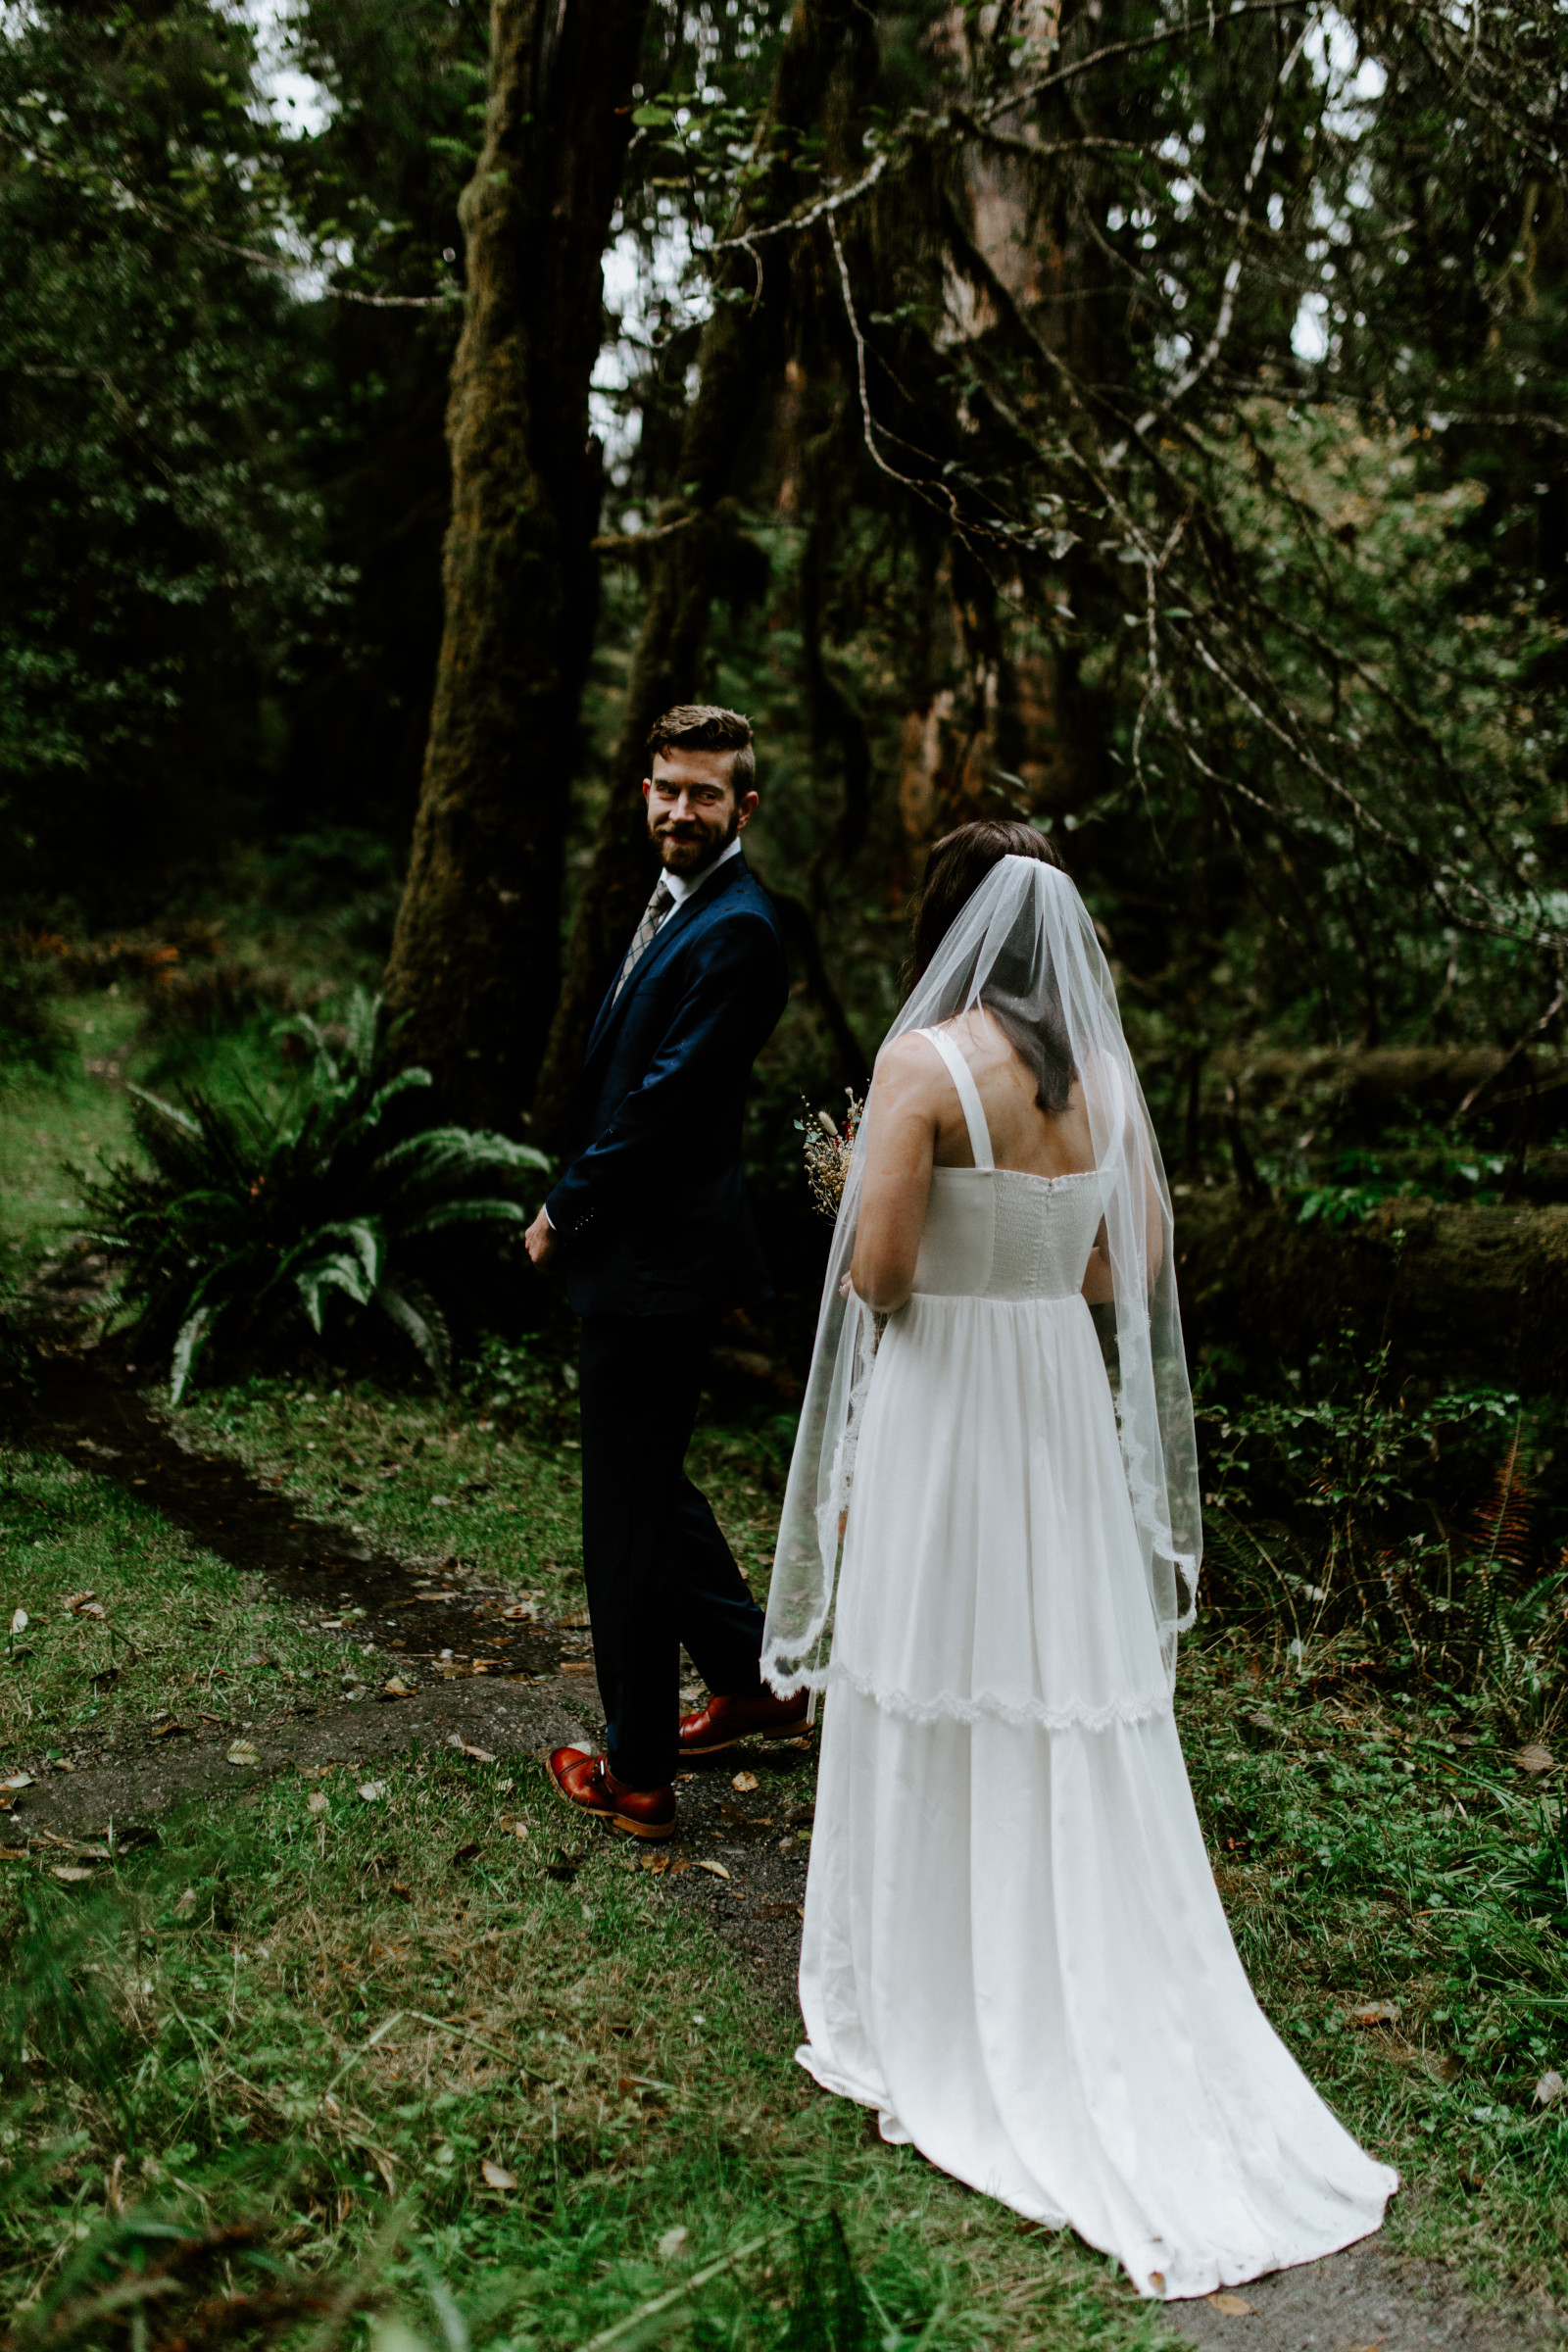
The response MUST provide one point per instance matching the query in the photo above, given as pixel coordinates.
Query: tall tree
(476, 957)
(825, 69)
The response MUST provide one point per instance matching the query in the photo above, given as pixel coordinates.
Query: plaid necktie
(654, 914)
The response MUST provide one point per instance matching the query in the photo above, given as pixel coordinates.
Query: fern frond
(1501, 1535)
(410, 1308)
(464, 1212)
(187, 1347)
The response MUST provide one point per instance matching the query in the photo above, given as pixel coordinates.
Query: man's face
(692, 810)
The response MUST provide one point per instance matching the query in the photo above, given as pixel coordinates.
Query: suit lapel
(697, 902)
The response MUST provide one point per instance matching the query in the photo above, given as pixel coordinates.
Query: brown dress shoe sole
(656, 1833)
(719, 1747)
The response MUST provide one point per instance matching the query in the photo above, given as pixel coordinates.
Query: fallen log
(1374, 1083)
(1478, 1294)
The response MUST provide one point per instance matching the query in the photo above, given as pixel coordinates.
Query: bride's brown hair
(957, 866)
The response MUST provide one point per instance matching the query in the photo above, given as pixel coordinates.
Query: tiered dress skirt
(1015, 1950)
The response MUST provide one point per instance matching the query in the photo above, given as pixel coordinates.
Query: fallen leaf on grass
(523, 1611)
(464, 1747)
(172, 1731)
(744, 1782)
(717, 1868)
(671, 2244)
(76, 1601)
(373, 1791)
(1549, 2089)
(71, 1870)
(1376, 2012)
(19, 1621)
(186, 1903)
(656, 1863)
(1534, 1758)
(18, 1779)
(397, 1687)
(679, 1863)
(316, 1803)
(243, 1753)
(1234, 2307)
(496, 2176)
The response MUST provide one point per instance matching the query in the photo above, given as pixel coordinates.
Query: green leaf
(187, 1348)
(466, 1212)
(652, 117)
(409, 1306)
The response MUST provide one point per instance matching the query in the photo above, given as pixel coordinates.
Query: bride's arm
(899, 1143)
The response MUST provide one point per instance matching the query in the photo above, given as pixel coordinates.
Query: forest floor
(299, 1937)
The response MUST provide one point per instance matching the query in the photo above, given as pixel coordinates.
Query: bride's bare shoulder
(906, 1067)
(902, 1055)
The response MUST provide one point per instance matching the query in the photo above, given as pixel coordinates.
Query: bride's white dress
(1013, 1946)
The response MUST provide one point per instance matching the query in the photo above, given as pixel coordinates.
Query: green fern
(239, 1224)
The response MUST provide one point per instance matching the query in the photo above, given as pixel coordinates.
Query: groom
(651, 1224)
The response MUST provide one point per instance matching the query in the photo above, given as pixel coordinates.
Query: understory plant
(241, 1220)
(1424, 1527)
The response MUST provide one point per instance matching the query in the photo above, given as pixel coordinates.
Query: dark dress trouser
(658, 1570)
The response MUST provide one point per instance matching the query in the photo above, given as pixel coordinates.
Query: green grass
(159, 1623)
(1387, 1848)
(492, 1477)
(186, 2012)
(232, 2019)
(50, 1126)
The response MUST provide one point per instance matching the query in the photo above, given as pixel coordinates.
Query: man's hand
(540, 1239)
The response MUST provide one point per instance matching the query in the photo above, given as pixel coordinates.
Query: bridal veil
(1024, 948)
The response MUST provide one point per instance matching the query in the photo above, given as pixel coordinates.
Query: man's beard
(686, 853)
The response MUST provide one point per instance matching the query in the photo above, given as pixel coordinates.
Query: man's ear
(745, 809)
(648, 786)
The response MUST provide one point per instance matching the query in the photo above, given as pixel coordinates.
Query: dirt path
(1363, 2300)
(505, 1687)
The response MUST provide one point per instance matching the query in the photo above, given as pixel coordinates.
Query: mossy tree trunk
(827, 63)
(476, 957)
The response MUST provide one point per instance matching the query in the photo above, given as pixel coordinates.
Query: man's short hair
(707, 727)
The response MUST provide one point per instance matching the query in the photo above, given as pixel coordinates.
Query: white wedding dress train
(1013, 1948)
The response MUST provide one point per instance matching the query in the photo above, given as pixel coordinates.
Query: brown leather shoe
(587, 1782)
(726, 1722)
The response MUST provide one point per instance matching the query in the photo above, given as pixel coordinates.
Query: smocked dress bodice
(998, 1233)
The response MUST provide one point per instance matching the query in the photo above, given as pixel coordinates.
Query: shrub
(245, 1223)
(1427, 1526)
(31, 1033)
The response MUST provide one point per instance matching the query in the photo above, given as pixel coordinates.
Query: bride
(1013, 1945)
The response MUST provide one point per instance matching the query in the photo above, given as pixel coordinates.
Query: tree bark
(476, 955)
(740, 358)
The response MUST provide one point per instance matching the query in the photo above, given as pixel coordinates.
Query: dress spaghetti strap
(969, 1096)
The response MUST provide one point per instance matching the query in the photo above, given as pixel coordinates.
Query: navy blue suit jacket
(652, 1208)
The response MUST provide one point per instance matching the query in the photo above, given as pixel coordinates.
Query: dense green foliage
(240, 1220)
(1199, 505)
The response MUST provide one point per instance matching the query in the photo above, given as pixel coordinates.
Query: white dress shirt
(681, 886)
